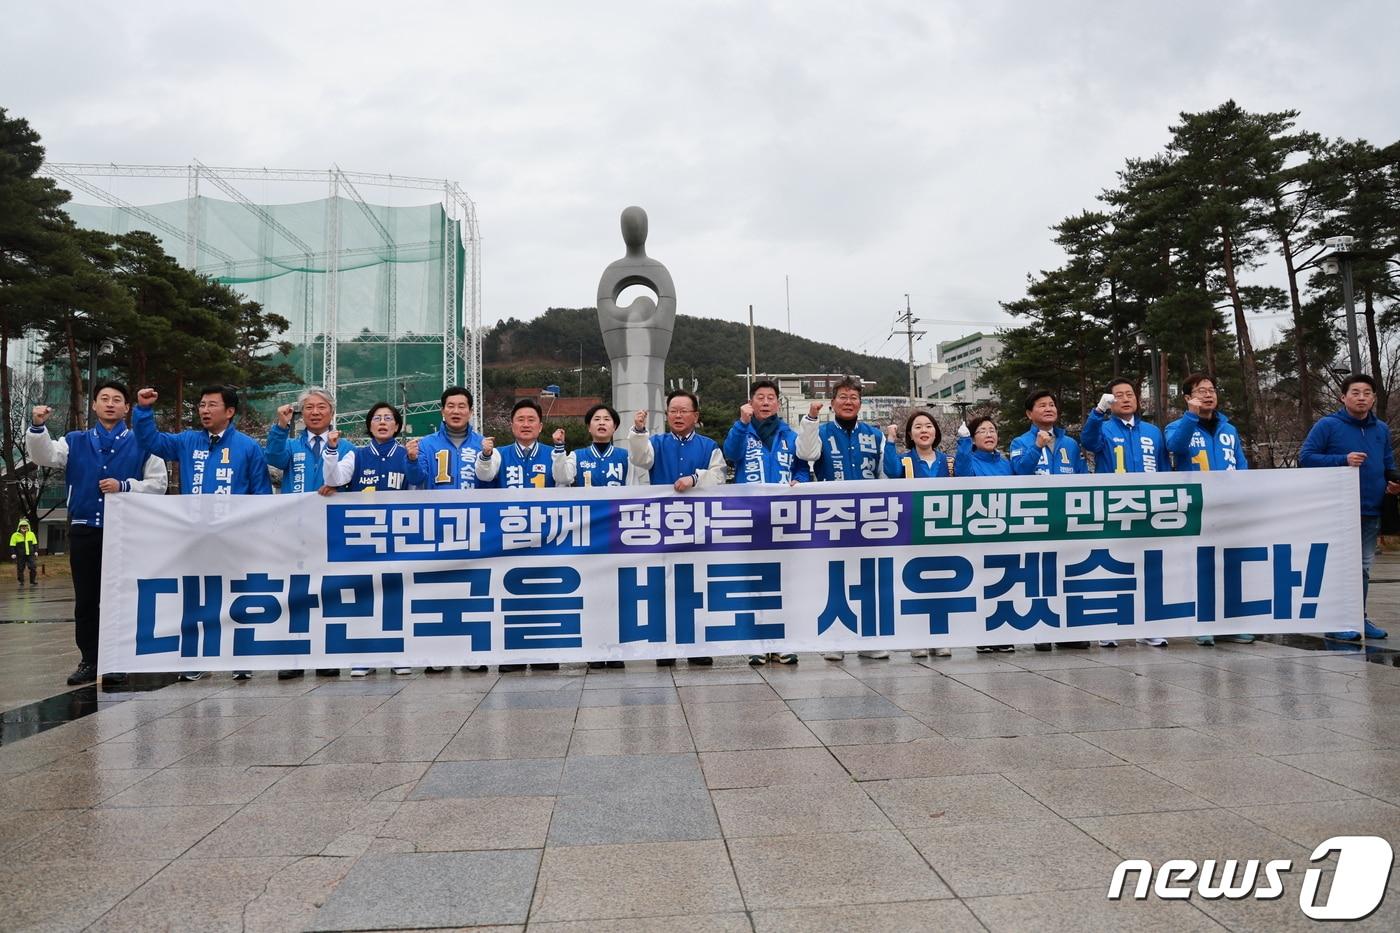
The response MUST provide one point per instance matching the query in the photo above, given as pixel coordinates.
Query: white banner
(488, 577)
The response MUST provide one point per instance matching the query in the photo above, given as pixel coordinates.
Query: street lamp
(1338, 261)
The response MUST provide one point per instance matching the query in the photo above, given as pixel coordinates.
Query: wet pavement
(974, 792)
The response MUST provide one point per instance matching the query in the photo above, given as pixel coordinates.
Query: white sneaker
(874, 655)
(403, 670)
(360, 671)
(1154, 642)
(1108, 644)
(834, 655)
(942, 652)
(919, 653)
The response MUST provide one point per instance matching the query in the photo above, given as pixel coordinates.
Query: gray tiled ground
(970, 792)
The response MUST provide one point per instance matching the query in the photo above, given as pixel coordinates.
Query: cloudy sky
(864, 149)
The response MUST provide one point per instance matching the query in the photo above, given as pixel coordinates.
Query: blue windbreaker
(1063, 458)
(234, 466)
(1195, 449)
(301, 472)
(970, 462)
(754, 463)
(1338, 434)
(1122, 448)
(444, 465)
(909, 465)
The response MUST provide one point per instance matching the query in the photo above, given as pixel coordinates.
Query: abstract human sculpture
(638, 336)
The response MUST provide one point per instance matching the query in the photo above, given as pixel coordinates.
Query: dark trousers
(26, 560)
(85, 556)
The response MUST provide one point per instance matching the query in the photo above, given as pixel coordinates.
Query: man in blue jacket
(760, 444)
(302, 460)
(683, 459)
(1122, 442)
(844, 448)
(447, 457)
(1353, 436)
(216, 459)
(1046, 450)
(104, 460)
(1203, 441)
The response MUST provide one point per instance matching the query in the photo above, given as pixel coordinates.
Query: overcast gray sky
(865, 149)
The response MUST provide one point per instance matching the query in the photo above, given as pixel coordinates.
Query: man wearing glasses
(682, 459)
(1201, 441)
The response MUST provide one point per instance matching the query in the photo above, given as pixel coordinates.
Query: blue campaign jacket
(1195, 450)
(94, 455)
(594, 468)
(1338, 434)
(444, 465)
(235, 466)
(1118, 448)
(674, 457)
(754, 463)
(970, 462)
(909, 465)
(383, 467)
(301, 472)
(1061, 459)
(522, 468)
(855, 454)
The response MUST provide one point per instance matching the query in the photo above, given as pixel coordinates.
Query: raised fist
(962, 430)
(813, 410)
(41, 414)
(147, 397)
(284, 415)
(1044, 439)
(488, 446)
(412, 448)
(746, 413)
(639, 421)
(558, 437)
(891, 432)
(1193, 405)
(332, 438)
(1105, 403)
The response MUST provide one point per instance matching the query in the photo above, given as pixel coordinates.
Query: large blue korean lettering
(360, 604)
(147, 642)
(1286, 580)
(1035, 578)
(258, 603)
(935, 579)
(1115, 577)
(452, 610)
(1236, 606)
(200, 614)
(541, 611)
(745, 590)
(873, 594)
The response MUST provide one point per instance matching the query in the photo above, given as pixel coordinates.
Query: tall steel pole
(1353, 341)
(753, 353)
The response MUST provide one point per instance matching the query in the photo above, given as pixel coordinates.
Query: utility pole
(787, 296)
(906, 317)
(753, 353)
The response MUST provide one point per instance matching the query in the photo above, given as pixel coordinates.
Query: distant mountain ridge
(708, 350)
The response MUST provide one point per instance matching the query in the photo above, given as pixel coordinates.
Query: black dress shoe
(616, 665)
(290, 675)
(597, 665)
(1042, 646)
(510, 668)
(327, 672)
(1074, 644)
(665, 662)
(85, 673)
(547, 666)
(114, 679)
(702, 660)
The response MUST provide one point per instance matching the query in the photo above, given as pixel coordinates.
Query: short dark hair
(763, 384)
(977, 421)
(228, 393)
(526, 403)
(1039, 394)
(1122, 381)
(849, 382)
(398, 418)
(612, 413)
(1354, 378)
(456, 390)
(682, 393)
(1188, 385)
(909, 427)
(117, 386)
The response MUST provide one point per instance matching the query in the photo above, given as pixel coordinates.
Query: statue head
(634, 230)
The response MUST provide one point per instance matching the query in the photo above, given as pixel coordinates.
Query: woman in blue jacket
(923, 458)
(978, 456)
(977, 450)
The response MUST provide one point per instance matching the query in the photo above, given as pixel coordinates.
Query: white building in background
(951, 380)
(797, 391)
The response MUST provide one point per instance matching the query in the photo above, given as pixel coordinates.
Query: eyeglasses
(680, 411)
(390, 418)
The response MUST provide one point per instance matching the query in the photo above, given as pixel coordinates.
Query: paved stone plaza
(974, 792)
